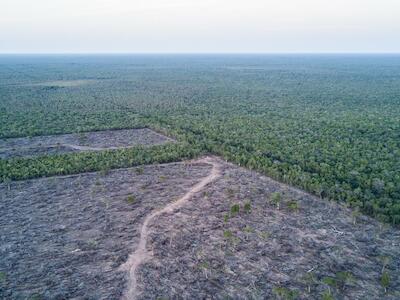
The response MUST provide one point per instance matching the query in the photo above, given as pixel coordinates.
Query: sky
(199, 26)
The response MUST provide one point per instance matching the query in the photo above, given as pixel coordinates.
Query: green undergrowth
(73, 163)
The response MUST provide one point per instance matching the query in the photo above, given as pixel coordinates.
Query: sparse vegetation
(310, 280)
(131, 199)
(285, 293)
(276, 199)
(92, 243)
(3, 277)
(247, 207)
(293, 205)
(235, 209)
(264, 235)
(344, 279)
(340, 281)
(248, 230)
(228, 234)
(385, 262)
(385, 280)
(330, 282)
(226, 218)
(204, 266)
(326, 295)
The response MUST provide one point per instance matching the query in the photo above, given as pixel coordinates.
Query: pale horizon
(192, 27)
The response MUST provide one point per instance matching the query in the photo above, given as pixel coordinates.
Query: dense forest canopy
(328, 124)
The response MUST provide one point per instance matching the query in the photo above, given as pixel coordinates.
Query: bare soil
(88, 141)
(76, 237)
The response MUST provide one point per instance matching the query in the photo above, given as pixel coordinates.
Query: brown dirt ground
(67, 237)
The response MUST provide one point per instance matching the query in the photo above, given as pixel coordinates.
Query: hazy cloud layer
(199, 26)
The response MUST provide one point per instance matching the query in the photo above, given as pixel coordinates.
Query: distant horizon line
(198, 53)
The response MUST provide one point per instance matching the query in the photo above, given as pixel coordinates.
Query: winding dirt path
(15, 147)
(141, 254)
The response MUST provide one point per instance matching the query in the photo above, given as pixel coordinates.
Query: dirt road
(141, 254)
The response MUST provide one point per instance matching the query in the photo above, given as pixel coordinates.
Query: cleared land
(231, 236)
(66, 237)
(85, 141)
(64, 83)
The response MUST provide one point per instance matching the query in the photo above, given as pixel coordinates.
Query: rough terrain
(197, 232)
(141, 253)
(209, 250)
(85, 141)
(66, 237)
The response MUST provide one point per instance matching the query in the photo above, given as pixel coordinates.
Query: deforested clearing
(83, 141)
(64, 83)
(66, 237)
(234, 237)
